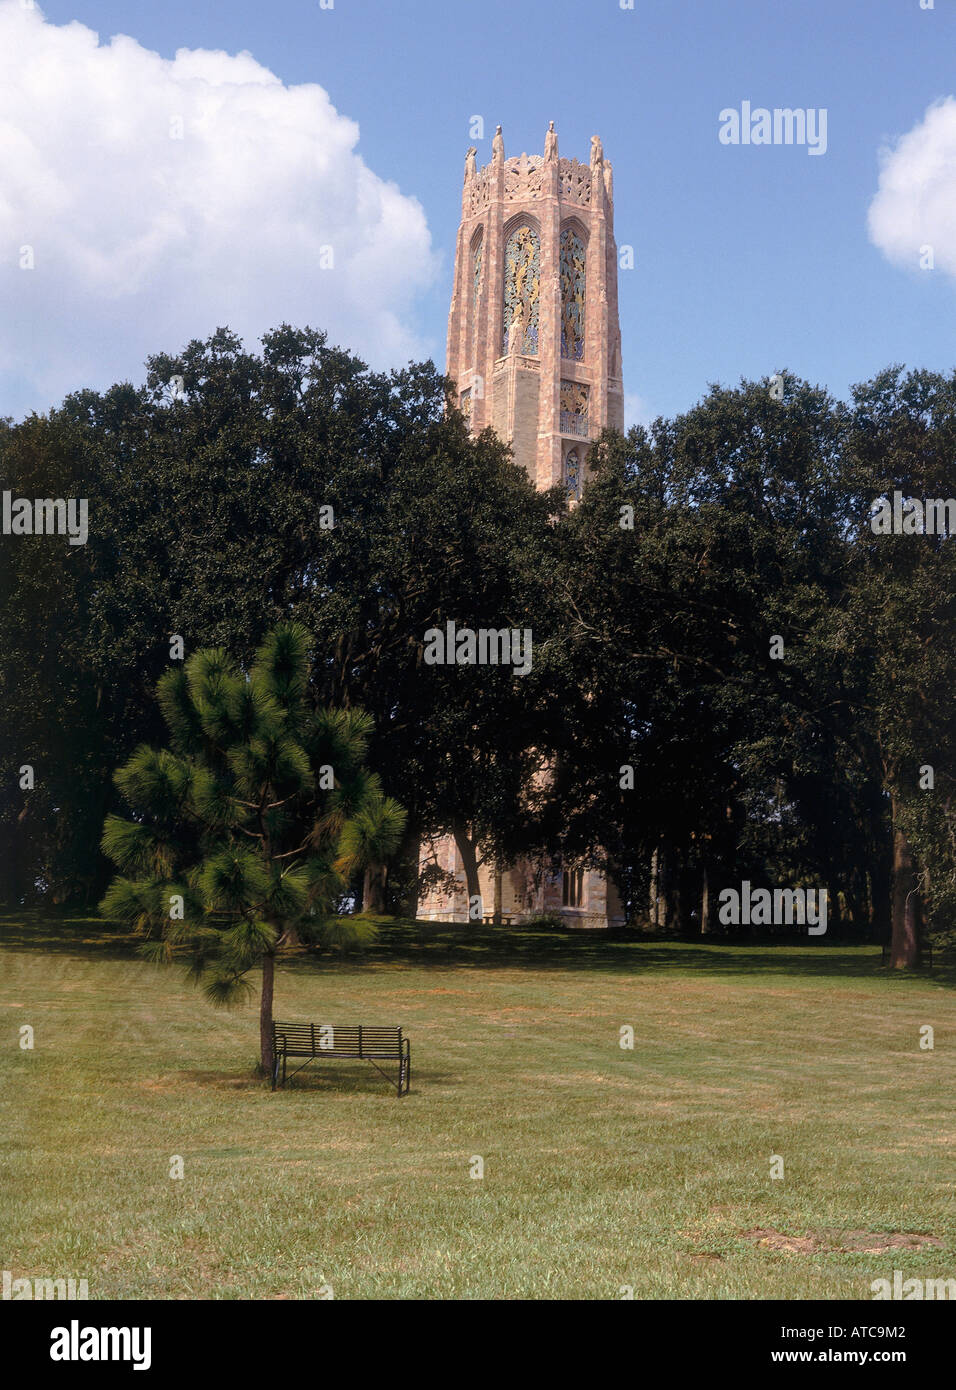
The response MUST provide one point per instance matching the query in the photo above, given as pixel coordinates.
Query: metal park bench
(315, 1041)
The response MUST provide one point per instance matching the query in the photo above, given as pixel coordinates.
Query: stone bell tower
(534, 345)
(534, 341)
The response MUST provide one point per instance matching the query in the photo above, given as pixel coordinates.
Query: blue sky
(748, 259)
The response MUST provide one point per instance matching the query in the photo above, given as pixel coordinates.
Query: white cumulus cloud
(262, 212)
(915, 203)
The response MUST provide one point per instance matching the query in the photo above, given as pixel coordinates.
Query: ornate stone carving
(534, 177)
(574, 182)
(479, 191)
(551, 144)
(523, 177)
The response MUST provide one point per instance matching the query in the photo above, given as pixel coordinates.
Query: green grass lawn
(603, 1167)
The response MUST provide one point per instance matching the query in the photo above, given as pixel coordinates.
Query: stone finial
(609, 179)
(471, 168)
(498, 147)
(551, 144)
(597, 151)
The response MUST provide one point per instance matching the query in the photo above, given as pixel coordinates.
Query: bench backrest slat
(357, 1039)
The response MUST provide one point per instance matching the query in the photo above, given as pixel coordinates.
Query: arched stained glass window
(476, 260)
(575, 397)
(572, 473)
(573, 283)
(522, 290)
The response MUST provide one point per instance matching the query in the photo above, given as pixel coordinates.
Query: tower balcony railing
(574, 424)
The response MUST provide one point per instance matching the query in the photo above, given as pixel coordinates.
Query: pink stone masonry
(547, 406)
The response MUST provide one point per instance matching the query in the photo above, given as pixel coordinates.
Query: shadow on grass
(482, 947)
(324, 1078)
(403, 943)
(329, 1081)
(54, 934)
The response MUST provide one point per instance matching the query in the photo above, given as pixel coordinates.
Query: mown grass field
(603, 1168)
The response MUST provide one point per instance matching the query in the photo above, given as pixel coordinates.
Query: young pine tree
(246, 830)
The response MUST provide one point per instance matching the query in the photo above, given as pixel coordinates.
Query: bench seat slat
(336, 1027)
(342, 1047)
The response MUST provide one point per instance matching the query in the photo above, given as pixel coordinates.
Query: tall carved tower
(534, 345)
(534, 341)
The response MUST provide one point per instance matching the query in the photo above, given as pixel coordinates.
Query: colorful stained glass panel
(522, 291)
(574, 408)
(572, 473)
(573, 282)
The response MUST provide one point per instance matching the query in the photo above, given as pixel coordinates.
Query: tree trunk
(675, 897)
(497, 907)
(904, 942)
(654, 904)
(469, 859)
(705, 901)
(265, 1012)
(373, 890)
(662, 887)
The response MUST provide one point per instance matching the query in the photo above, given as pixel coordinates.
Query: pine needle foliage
(247, 829)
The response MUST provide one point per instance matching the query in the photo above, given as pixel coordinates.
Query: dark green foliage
(651, 645)
(206, 521)
(751, 520)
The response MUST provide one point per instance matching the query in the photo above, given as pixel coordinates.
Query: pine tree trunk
(469, 859)
(266, 1055)
(904, 942)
